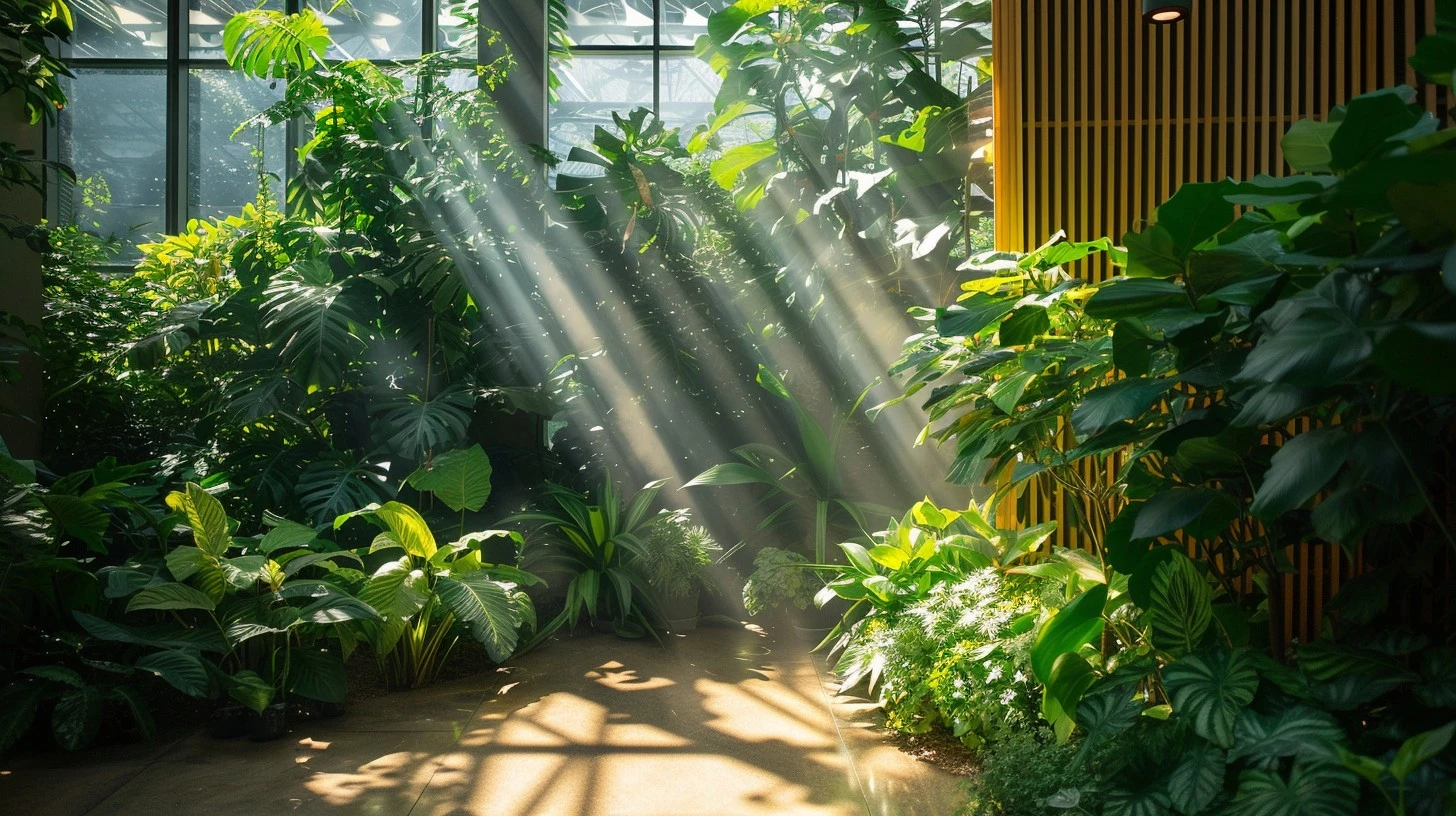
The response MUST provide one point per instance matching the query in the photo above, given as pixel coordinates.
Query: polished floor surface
(721, 721)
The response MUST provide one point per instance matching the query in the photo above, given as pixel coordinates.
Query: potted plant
(675, 557)
(594, 540)
(784, 580)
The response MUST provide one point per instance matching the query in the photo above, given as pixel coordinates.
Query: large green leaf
(1076, 623)
(287, 535)
(1134, 297)
(203, 570)
(76, 719)
(182, 668)
(80, 518)
(1298, 731)
(1210, 690)
(1149, 801)
(249, 689)
(1195, 213)
(170, 596)
(331, 487)
(1182, 606)
(17, 711)
(1197, 779)
(206, 517)
(1117, 402)
(159, 637)
(1199, 511)
(1312, 789)
(272, 45)
(414, 428)
(1301, 468)
(397, 590)
(404, 522)
(459, 478)
(733, 162)
(485, 605)
(1306, 146)
(317, 675)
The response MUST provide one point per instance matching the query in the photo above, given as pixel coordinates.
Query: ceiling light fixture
(1162, 12)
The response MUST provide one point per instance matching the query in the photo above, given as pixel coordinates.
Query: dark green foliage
(1032, 774)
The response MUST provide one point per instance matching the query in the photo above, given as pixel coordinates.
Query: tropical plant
(676, 555)
(865, 149)
(594, 544)
(430, 593)
(30, 66)
(234, 615)
(780, 578)
(943, 610)
(78, 700)
(806, 481)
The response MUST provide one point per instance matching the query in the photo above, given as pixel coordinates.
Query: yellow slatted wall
(1100, 116)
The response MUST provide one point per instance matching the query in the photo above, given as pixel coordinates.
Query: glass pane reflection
(222, 169)
(592, 88)
(114, 135)
(124, 29)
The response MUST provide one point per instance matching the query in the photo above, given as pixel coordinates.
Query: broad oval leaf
(1076, 623)
(170, 596)
(1210, 690)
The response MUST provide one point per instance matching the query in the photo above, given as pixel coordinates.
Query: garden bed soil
(939, 748)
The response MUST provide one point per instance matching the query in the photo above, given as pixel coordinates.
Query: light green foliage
(780, 578)
(430, 592)
(675, 555)
(594, 544)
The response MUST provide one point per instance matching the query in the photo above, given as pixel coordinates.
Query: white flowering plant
(946, 608)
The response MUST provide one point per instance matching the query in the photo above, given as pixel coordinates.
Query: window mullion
(178, 111)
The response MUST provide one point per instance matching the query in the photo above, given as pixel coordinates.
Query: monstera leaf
(1209, 690)
(332, 487)
(273, 45)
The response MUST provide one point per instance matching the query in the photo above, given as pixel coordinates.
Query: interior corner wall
(1101, 116)
(22, 402)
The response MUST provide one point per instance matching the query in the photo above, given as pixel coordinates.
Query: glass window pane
(374, 29)
(684, 20)
(120, 29)
(609, 22)
(222, 169)
(206, 19)
(451, 30)
(592, 88)
(688, 89)
(113, 133)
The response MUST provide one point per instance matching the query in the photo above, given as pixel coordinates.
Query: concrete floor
(722, 721)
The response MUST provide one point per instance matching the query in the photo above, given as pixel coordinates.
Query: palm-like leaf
(272, 45)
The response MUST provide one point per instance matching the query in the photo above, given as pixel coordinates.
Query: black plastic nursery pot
(270, 724)
(228, 721)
